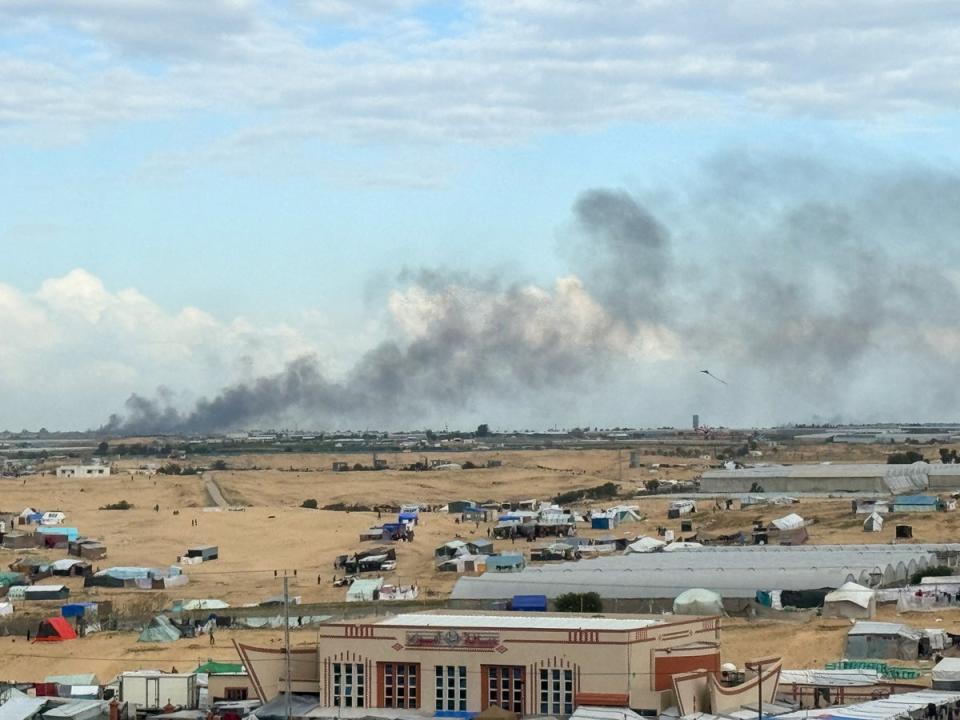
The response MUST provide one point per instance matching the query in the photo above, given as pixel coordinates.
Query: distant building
(696, 422)
(83, 471)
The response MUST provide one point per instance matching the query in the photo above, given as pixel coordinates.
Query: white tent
(52, 518)
(946, 674)
(873, 523)
(681, 545)
(850, 600)
(6, 608)
(697, 601)
(789, 522)
(644, 545)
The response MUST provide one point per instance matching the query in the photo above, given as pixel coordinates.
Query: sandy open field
(272, 533)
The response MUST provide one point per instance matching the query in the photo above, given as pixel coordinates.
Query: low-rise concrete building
(458, 663)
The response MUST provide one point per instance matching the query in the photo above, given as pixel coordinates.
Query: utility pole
(620, 465)
(286, 639)
(758, 666)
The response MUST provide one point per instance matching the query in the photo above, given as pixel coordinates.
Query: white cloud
(377, 71)
(74, 350)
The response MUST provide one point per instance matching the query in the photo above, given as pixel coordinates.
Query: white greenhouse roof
(537, 621)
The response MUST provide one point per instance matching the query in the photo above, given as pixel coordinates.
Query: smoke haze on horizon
(815, 290)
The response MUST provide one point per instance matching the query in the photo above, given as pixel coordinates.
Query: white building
(83, 471)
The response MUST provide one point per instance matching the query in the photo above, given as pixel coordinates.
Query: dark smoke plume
(811, 289)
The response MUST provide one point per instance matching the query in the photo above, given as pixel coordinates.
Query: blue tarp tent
(71, 533)
(529, 603)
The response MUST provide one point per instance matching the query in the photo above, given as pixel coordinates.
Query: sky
(529, 213)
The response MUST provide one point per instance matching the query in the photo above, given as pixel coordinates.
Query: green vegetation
(122, 505)
(310, 504)
(601, 492)
(936, 571)
(588, 602)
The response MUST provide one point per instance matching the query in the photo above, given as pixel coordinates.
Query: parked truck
(153, 690)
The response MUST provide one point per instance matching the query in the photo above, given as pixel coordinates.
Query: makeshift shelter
(915, 503)
(946, 674)
(364, 590)
(204, 552)
(697, 601)
(70, 532)
(680, 545)
(644, 545)
(850, 600)
(47, 592)
(160, 629)
(19, 540)
(603, 521)
(505, 563)
(52, 518)
(882, 641)
(55, 629)
(873, 523)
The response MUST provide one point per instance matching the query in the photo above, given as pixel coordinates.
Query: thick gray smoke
(812, 290)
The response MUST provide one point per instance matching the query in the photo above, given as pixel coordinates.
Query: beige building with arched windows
(459, 663)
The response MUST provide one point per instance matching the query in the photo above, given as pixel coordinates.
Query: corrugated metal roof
(534, 621)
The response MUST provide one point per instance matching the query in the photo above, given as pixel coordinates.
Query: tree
(218, 465)
(431, 436)
(588, 602)
(904, 458)
(936, 571)
(483, 430)
(103, 448)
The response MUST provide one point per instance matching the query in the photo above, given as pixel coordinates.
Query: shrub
(122, 505)
(588, 602)
(936, 571)
(310, 504)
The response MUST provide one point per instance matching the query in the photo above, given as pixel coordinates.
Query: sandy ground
(272, 533)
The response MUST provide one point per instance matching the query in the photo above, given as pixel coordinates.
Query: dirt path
(213, 490)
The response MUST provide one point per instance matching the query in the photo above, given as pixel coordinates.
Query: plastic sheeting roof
(830, 678)
(788, 522)
(884, 628)
(851, 592)
(532, 622)
(947, 670)
(732, 571)
(895, 706)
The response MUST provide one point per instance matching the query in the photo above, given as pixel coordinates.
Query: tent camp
(882, 641)
(873, 523)
(55, 629)
(850, 600)
(697, 601)
(160, 629)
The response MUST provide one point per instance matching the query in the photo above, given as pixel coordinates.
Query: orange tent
(55, 629)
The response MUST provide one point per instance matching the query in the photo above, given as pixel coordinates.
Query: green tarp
(214, 667)
(12, 578)
(160, 629)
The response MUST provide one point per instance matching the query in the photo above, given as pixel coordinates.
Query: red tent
(56, 629)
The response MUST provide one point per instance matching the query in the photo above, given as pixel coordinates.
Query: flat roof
(521, 621)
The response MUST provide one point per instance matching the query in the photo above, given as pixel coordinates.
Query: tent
(697, 601)
(644, 545)
(681, 545)
(160, 629)
(873, 523)
(55, 629)
(946, 674)
(364, 590)
(850, 600)
(882, 641)
(789, 522)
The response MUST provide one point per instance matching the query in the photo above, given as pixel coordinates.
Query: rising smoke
(811, 289)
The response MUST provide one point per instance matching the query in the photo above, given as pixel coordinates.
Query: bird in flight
(710, 374)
